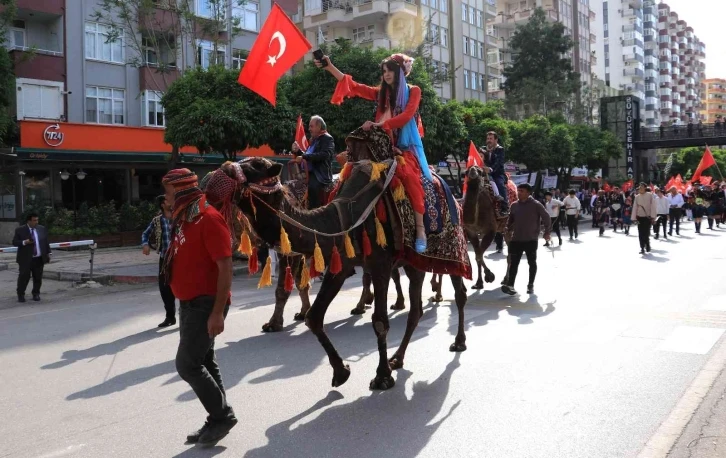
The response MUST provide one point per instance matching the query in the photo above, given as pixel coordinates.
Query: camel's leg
(281, 296)
(415, 278)
(484, 243)
(366, 297)
(478, 257)
(315, 319)
(381, 277)
(460, 341)
(400, 299)
(436, 281)
(304, 293)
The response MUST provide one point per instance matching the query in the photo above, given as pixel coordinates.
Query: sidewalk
(118, 265)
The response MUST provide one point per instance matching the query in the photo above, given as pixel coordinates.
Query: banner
(549, 182)
(533, 179)
(524, 178)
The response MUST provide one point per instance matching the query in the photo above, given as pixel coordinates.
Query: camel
(264, 202)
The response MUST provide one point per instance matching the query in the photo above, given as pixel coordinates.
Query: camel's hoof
(457, 347)
(300, 316)
(272, 327)
(489, 277)
(358, 311)
(340, 376)
(399, 305)
(382, 383)
(478, 285)
(396, 362)
(436, 299)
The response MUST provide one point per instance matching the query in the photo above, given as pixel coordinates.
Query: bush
(94, 221)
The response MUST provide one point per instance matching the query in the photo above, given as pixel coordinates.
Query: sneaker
(217, 430)
(509, 290)
(530, 289)
(193, 438)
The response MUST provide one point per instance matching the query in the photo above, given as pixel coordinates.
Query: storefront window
(37, 192)
(7, 196)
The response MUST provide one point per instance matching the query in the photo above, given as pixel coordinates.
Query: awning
(50, 155)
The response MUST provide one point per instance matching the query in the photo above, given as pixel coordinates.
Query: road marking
(691, 339)
(661, 443)
(63, 452)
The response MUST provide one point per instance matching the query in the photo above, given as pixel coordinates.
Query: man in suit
(319, 159)
(33, 252)
(494, 162)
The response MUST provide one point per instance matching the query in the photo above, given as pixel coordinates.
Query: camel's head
(262, 181)
(475, 173)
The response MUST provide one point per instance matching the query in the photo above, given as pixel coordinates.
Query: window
(364, 33)
(248, 15)
(444, 37)
(480, 50)
(442, 5)
(40, 101)
(466, 45)
(473, 80)
(239, 57)
(98, 46)
(7, 195)
(466, 79)
(425, 2)
(206, 55)
(444, 68)
(17, 34)
(472, 16)
(151, 105)
(464, 13)
(204, 8)
(104, 105)
(479, 21)
(482, 83)
(37, 188)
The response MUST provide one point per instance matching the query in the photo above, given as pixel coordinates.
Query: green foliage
(210, 110)
(480, 118)
(686, 160)
(93, 221)
(540, 77)
(529, 144)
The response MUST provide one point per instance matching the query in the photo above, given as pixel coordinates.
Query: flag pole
(715, 163)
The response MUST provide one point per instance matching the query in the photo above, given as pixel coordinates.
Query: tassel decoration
(245, 244)
(381, 211)
(366, 244)
(318, 258)
(285, 246)
(376, 169)
(254, 209)
(401, 160)
(336, 264)
(399, 194)
(266, 278)
(253, 264)
(289, 280)
(380, 234)
(313, 273)
(349, 250)
(304, 275)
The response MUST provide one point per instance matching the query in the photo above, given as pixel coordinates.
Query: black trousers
(499, 241)
(662, 220)
(515, 255)
(572, 224)
(556, 227)
(166, 295)
(501, 183)
(644, 225)
(315, 192)
(675, 216)
(35, 268)
(196, 361)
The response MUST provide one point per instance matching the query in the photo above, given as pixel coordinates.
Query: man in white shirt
(572, 210)
(553, 206)
(662, 209)
(675, 203)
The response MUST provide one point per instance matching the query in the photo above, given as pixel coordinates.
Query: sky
(707, 19)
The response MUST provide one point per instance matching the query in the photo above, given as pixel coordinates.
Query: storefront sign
(41, 156)
(53, 135)
(629, 132)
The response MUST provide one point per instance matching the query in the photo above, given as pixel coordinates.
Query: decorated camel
(371, 222)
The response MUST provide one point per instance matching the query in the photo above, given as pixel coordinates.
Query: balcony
(152, 79)
(510, 21)
(593, 38)
(39, 65)
(492, 41)
(490, 10)
(351, 13)
(160, 20)
(54, 7)
(493, 71)
(632, 3)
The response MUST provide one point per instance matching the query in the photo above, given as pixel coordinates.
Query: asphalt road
(589, 366)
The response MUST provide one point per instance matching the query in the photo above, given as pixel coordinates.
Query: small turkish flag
(300, 138)
(278, 47)
(706, 162)
(474, 159)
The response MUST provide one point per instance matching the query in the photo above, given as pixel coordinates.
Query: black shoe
(168, 322)
(670, 233)
(642, 251)
(193, 438)
(36, 297)
(647, 248)
(656, 237)
(546, 244)
(560, 242)
(217, 430)
(509, 290)
(530, 289)
(21, 297)
(499, 250)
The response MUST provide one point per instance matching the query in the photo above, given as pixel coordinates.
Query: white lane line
(661, 443)
(691, 339)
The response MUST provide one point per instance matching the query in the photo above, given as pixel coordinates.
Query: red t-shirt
(199, 245)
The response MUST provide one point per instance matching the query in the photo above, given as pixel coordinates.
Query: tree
(530, 143)
(210, 110)
(481, 118)
(540, 77)
(8, 128)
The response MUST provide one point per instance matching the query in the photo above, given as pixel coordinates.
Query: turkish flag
(300, 137)
(706, 161)
(706, 181)
(606, 187)
(627, 186)
(474, 159)
(278, 47)
(670, 184)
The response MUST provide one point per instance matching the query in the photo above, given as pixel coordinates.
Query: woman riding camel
(397, 105)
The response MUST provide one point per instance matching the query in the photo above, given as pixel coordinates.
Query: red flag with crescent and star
(278, 47)
(300, 138)
(474, 159)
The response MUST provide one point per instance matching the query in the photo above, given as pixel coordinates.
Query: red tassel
(336, 265)
(289, 281)
(253, 263)
(381, 211)
(366, 244)
(313, 273)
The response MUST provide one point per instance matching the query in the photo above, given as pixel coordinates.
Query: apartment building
(575, 15)
(713, 99)
(652, 54)
(86, 102)
(455, 30)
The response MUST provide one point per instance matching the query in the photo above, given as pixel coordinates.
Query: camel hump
(373, 145)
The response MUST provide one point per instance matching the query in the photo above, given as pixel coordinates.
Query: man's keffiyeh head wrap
(220, 188)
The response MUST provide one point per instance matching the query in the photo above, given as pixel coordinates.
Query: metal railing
(683, 131)
(89, 243)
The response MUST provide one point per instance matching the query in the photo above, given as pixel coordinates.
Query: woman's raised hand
(319, 64)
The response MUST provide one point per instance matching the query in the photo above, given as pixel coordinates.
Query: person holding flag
(319, 159)
(474, 159)
(494, 161)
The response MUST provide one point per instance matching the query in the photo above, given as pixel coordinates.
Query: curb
(106, 279)
(3, 266)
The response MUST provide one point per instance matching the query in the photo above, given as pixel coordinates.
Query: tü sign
(53, 135)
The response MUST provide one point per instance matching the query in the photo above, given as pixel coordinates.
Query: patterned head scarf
(220, 189)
